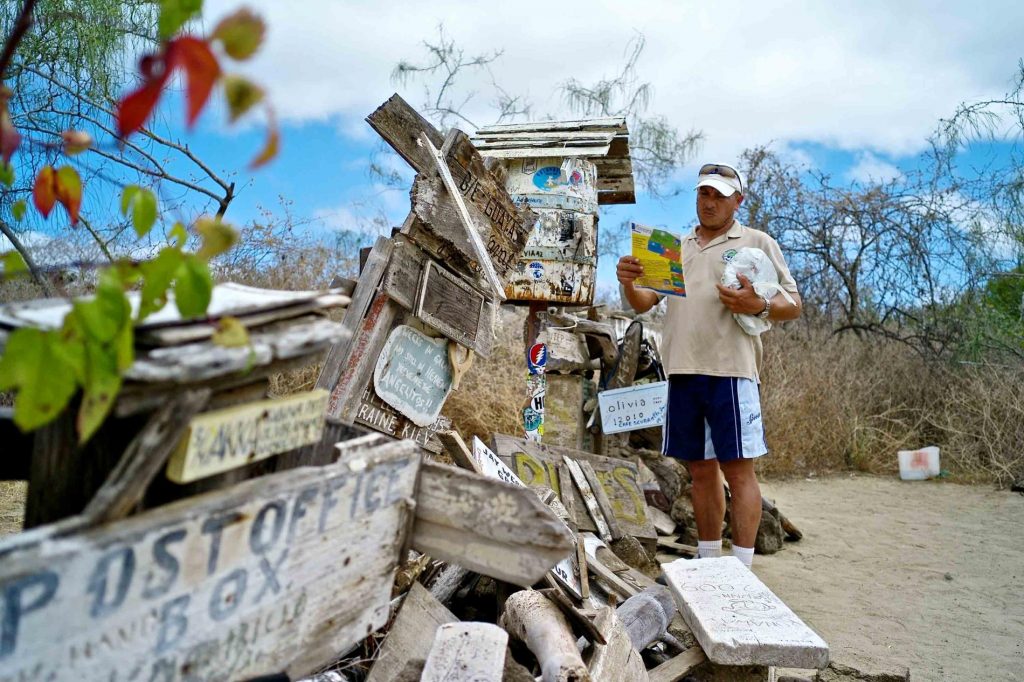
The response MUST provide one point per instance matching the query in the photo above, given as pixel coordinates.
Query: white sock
(744, 554)
(709, 548)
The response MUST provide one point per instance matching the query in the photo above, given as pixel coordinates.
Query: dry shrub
(835, 403)
(491, 396)
(12, 506)
(982, 421)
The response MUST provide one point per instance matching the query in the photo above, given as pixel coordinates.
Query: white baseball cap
(722, 177)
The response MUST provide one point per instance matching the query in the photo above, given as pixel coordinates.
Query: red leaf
(134, 110)
(44, 192)
(69, 191)
(201, 71)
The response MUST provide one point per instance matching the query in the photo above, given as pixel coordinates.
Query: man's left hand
(743, 300)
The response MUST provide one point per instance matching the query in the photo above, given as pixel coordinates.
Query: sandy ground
(928, 575)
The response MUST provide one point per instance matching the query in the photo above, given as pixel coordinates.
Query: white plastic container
(918, 465)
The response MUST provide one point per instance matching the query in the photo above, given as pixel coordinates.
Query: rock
(769, 534)
(673, 478)
(629, 549)
(836, 672)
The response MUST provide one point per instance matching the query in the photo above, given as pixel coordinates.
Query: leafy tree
(95, 343)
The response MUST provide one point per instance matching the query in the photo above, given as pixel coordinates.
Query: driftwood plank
(589, 499)
(459, 452)
(144, 457)
(364, 294)
(618, 659)
(400, 125)
(226, 439)
(482, 257)
(602, 498)
(487, 526)
(275, 574)
(411, 635)
(466, 652)
(533, 619)
(675, 669)
(379, 416)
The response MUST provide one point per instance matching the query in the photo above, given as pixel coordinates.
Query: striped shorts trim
(711, 417)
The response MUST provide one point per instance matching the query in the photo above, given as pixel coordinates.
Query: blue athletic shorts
(712, 417)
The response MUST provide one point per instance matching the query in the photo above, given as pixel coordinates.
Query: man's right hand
(628, 269)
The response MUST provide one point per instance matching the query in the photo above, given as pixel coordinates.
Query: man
(714, 414)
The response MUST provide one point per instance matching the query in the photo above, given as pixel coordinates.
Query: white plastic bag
(755, 265)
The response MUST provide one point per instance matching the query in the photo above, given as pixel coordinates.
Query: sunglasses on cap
(723, 170)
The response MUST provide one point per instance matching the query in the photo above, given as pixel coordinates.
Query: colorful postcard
(660, 252)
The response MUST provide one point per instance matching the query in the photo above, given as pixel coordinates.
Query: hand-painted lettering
(224, 604)
(165, 560)
(22, 596)
(214, 527)
(124, 559)
(173, 623)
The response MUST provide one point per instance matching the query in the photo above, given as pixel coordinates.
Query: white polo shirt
(701, 336)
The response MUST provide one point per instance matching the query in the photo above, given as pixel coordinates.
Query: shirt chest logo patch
(728, 255)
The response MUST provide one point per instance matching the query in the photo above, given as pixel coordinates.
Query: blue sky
(852, 89)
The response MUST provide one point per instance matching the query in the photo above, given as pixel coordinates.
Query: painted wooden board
(222, 440)
(737, 619)
(589, 499)
(487, 526)
(276, 574)
(411, 635)
(379, 416)
(466, 652)
(562, 235)
(413, 374)
(568, 574)
(640, 406)
(537, 465)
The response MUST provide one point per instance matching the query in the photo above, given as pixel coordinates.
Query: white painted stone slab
(737, 619)
(466, 652)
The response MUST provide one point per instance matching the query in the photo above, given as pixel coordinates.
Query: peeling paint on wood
(413, 374)
(226, 439)
(274, 574)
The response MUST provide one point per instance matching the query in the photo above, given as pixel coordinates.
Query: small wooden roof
(605, 141)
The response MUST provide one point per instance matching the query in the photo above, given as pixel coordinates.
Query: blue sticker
(547, 178)
(536, 270)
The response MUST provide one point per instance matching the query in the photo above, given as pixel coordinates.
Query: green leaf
(217, 237)
(157, 275)
(193, 287)
(241, 95)
(128, 197)
(174, 14)
(240, 33)
(13, 263)
(102, 382)
(143, 211)
(32, 365)
(231, 333)
(178, 235)
(18, 209)
(6, 173)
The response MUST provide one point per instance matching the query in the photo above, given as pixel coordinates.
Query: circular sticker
(536, 269)
(728, 255)
(537, 357)
(547, 178)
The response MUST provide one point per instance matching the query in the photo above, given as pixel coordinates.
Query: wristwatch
(767, 308)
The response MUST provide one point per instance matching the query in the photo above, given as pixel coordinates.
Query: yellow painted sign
(222, 440)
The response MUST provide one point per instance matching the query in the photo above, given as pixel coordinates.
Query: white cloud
(873, 75)
(871, 169)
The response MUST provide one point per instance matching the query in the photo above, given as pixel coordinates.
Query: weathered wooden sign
(277, 574)
(565, 571)
(413, 374)
(222, 440)
(538, 466)
(441, 299)
(503, 226)
(552, 280)
(633, 407)
(379, 416)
